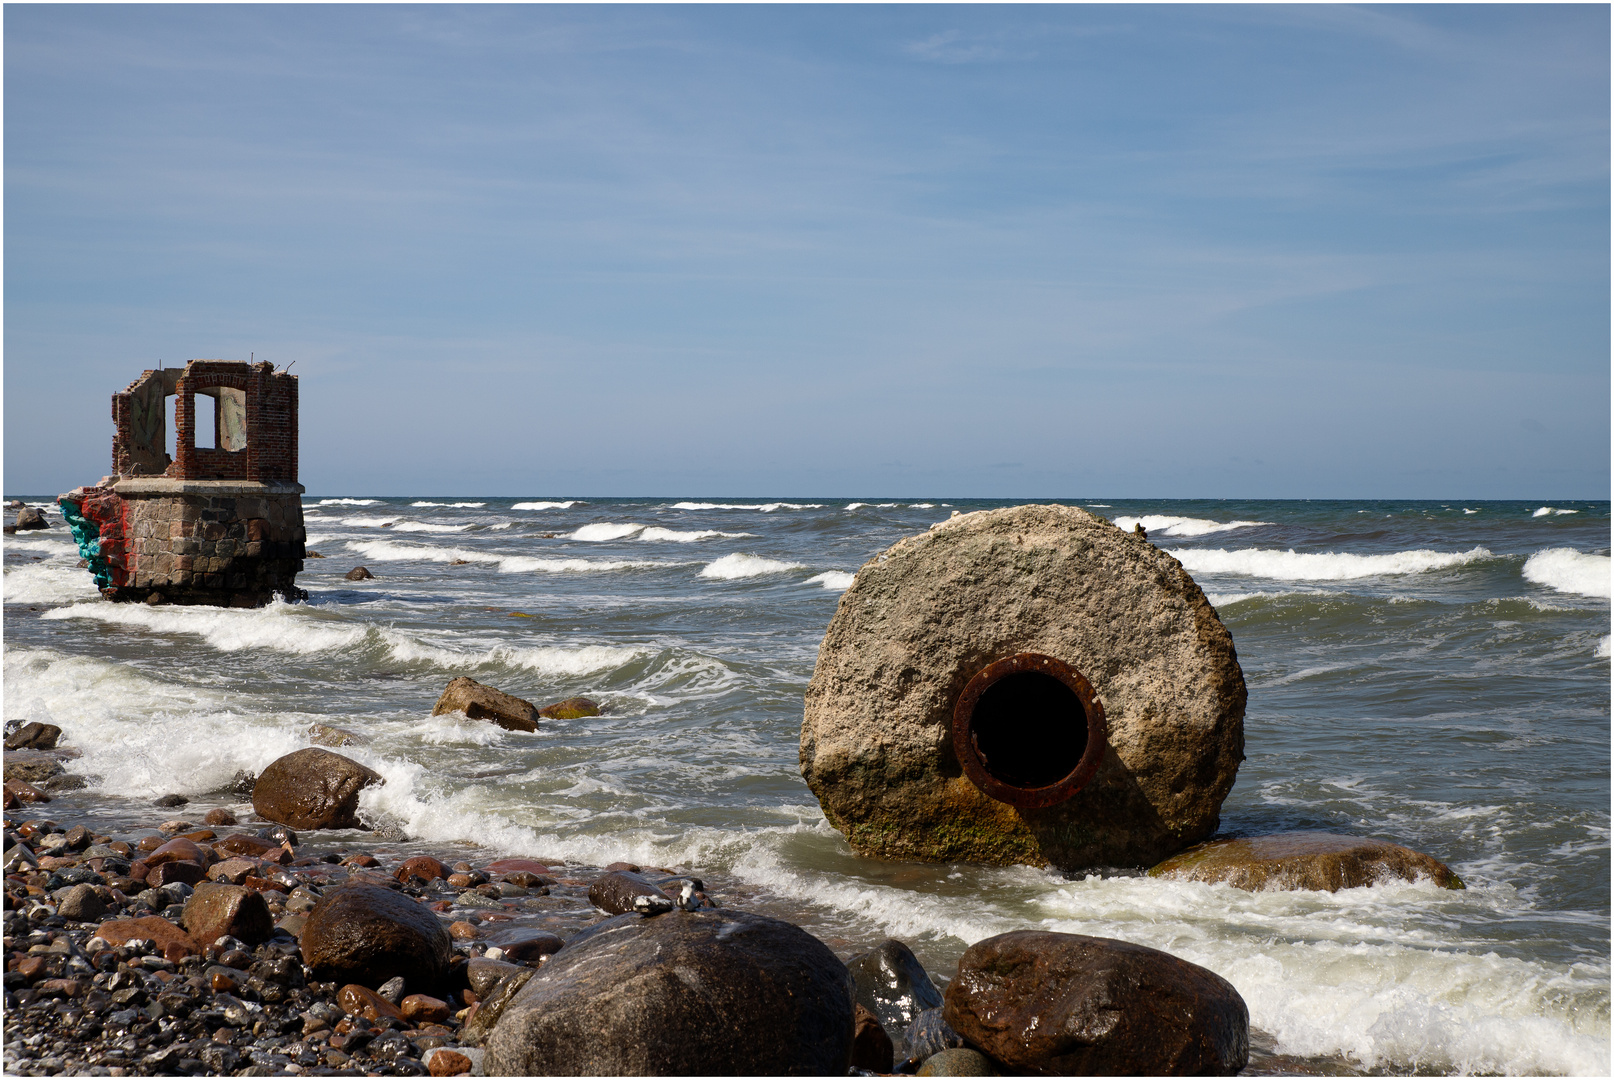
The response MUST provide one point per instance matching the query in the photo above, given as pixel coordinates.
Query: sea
(1432, 673)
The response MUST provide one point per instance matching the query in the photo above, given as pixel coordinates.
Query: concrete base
(228, 543)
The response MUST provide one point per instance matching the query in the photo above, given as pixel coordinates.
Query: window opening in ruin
(170, 404)
(205, 411)
(1029, 730)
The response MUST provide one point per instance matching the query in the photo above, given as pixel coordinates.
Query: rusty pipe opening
(1028, 730)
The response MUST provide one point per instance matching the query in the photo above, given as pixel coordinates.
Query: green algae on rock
(1305, 860)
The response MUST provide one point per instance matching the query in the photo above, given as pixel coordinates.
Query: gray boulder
(710, 992)
(30, 518)
(1113, 743)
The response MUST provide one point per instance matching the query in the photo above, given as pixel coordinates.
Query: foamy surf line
(766, 508)
(603, 531)
(740, 565)
(1566, 570)
(390, 551)
(1183, 526)
(1323, 566)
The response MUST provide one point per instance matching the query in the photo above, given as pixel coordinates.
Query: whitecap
(839, 580)
(456, 505)
(1183, 526)
(1603, 647)
(604, 530)
(566, 505)
(739, 565)
(1320, 566)
(392, 551)
(62, 547)
(427, 527)
(48, 583)
(1566, 570)
(1466, 510)
(766, 508)
(1548, 511)
(349, 502)
(287, 628)
(675, 536)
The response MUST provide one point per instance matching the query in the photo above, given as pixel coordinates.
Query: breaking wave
(739, 565)
(1566, 570)
(458, 505)
(349, 502)
(1548, 511)
(390, 551)
(1321, 566)
(766, 508)
(1183, 526)
(566, 505)
(839, 580)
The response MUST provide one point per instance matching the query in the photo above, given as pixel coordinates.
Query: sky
(971, 251)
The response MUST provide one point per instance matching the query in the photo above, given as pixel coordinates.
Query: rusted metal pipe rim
(1029, 730)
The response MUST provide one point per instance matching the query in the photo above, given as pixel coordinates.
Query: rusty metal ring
(964, 744)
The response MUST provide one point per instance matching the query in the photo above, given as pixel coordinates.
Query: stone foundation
(228, 543)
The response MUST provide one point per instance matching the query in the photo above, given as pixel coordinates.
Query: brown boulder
(255, 847)
(1305, 860)
(1081, 604)
(33, 766)
(174, 870)
(34, 736)
(871, 1046)
(423, 867)
(420, 1009)
(367, 934)
(365, 1003)
(326, 735)
(572, 708)
(153, 928)
(313, 789)
(215, 909)
(512, 866)
(359, 573)
(219, 816)
(180, 849)
(480, 702)
(1053, 1004)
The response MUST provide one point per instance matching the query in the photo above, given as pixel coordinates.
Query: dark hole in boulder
(1029, 730)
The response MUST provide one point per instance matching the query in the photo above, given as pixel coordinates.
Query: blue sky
(994, 251)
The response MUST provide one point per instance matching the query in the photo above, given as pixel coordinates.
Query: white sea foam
(50, 546)
(740, 565)
(1549, 511)
(393, 551)
(766, 508)
(366, 522)
(287, 628)
(676, 536)
(349, 502)
(428, 527)
(1100, 506)
(48, 583)
(1321, 566)
(1603, 647)
(1183, 526)
(566, 505)
(603, 530)
(1566, 570)
(839, 580)
(860, 505)
(1466, 510)
(458, 505)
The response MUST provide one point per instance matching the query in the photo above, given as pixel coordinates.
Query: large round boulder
(312, 789)
(1025, 685)
(712, 992)
(367, 934)
(1052, 1004)
(1305, 860)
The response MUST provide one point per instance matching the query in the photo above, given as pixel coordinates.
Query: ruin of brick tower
(221, 521)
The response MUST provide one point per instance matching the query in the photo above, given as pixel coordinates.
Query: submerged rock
(1069, 1005)
(1031, 771)
(572, 708)
(712, 992)
(359, 573)
(1305, 860)
(479, 702)
(367, 934)
(313, 789)
(326, 735)
(31, 518)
